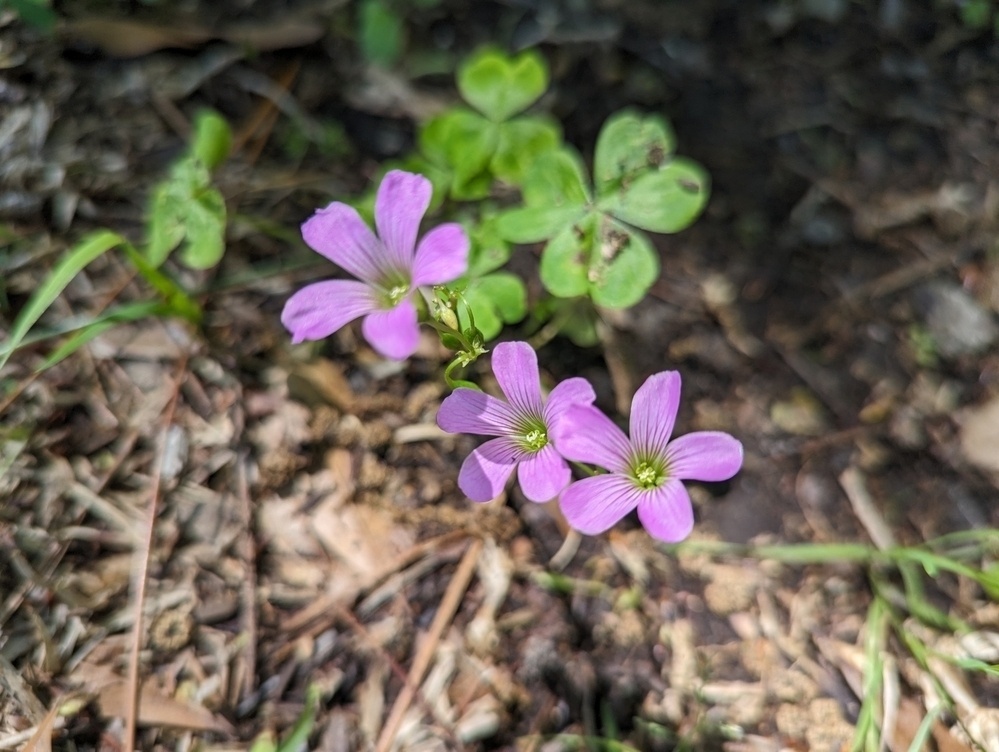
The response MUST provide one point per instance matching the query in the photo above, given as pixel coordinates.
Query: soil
(311, 560)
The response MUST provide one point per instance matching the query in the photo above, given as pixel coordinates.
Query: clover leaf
(496, 299)
(627, 145)
(595, 246)
(499, 86)
(521, 142)
(667, 200)
(187, 207)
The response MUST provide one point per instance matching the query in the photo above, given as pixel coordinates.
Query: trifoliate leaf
(464, 142)
(628, 145)
(500, 86)
(667, 200)
(186, 206)
(521, 142)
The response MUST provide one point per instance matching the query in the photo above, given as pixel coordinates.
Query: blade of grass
(919, 741)
(179, 301)
(89, 249)
(83, 335)
(868, 736)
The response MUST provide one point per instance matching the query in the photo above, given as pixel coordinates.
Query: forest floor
(312, 561)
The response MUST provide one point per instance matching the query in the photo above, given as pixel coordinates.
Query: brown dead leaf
(321, 381)
(271, 35)
(127, 38)
(122, 38)
(362, 537)
(157, 709)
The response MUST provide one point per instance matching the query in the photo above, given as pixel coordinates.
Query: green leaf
(557, 179)
(989, 580)
(623, 265)
(627, 145)
(496, 299)
(975, 14)
(472, 188)
(500, 86)
(380, 32)
(464, 142)
(581, 328)
(489, 251)
(205, 231)
(532, 224)
(83, 335)
(668, 200)
(565, 260)
(36, 13)
(165, 228)
(522, 141)
(187, 206)
(61, 275)
(212, 139)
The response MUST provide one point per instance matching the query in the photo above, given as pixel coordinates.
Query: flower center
(535, 440)
(649, 474)
(533, 435)
(395, 294)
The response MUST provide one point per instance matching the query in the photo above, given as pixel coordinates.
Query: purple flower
(387, 266)
(645, 471)
(522, 425)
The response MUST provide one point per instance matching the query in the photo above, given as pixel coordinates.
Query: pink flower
(645, 471)
(390, 267)
(523, 424)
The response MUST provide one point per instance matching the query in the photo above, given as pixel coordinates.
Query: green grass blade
(71, 264)
(919, 741)
(98, 326)
(180, 303)
(868, 735)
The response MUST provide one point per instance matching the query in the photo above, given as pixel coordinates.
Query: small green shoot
(186, 207)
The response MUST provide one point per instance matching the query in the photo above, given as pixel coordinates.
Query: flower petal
(402, 200)
(515, 365)
(653, 412)
(472, 411)
(338, 233)
(704, 455)
(319, 309)
(584, 434)
(593, 505)
(574, 391)
(441, 256)
(393, 333)
(666, 512)
(543, 474)
(486, 470)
